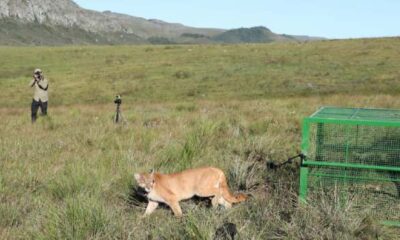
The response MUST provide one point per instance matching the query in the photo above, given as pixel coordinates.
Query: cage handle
(272, 165)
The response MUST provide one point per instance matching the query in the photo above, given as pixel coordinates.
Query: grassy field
(70, 175)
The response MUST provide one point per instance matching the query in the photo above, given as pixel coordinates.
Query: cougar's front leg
(150, 207)
(176, 208)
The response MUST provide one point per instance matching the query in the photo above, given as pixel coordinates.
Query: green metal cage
(354, 153)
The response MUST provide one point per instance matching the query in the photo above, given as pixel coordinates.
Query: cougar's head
(145, 180)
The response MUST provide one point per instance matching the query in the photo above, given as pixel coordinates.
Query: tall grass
(75, 180)
(70, 175)
(94, 74)
(78, 218)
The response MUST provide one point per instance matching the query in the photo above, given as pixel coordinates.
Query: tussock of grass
(186, 107)
(79, 218)
(259, 128)
(184, 154)
(244, 175)
(74, 180)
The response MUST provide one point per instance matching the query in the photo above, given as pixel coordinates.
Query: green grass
(93, 75)
(70, 176)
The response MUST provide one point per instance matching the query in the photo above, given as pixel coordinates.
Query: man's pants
(35, 106)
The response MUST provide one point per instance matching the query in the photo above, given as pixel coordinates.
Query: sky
(322, 18)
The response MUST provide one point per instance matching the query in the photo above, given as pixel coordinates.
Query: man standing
(40, 97)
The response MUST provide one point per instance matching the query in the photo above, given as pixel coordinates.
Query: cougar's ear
(152, 175)
(138, 177)
(151, 172)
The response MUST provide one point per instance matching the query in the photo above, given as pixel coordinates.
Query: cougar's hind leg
(217, 200)
(225, 203)
(214, 201)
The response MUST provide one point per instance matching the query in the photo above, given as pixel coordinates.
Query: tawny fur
(172, 188)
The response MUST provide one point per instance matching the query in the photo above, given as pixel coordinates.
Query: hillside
(52, 16)
(251, 35)
(18, 33)
(61, 22)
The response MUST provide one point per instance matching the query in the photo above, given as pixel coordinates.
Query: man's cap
(37, 70)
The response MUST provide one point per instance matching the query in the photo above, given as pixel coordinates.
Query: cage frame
(349, 121)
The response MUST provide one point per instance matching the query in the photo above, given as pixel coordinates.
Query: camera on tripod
(118, 100)
(118, 114)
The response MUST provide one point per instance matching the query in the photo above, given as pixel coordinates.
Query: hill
(251, 35)
(52, 17)
(60, 22)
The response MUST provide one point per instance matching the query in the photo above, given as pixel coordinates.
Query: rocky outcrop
(60, 22)
(66, 13)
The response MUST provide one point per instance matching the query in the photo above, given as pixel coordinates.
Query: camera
(118, 115)
(118, 100)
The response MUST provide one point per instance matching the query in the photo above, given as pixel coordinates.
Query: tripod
(118, 114)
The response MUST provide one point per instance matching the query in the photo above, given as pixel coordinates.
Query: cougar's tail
(228, 196)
